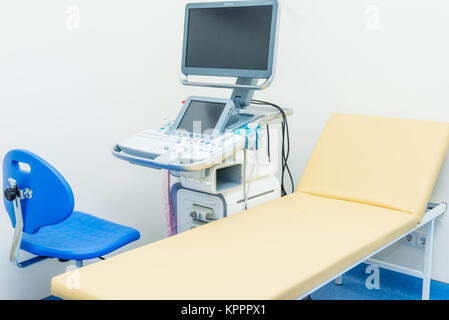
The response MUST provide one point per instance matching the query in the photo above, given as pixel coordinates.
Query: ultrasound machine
(222, 156)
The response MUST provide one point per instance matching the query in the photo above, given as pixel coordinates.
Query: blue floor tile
(51, 298)
(393, 286)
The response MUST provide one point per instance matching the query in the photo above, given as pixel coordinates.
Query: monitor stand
(242, 98)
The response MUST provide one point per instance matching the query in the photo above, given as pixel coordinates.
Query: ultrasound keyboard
(179, 151)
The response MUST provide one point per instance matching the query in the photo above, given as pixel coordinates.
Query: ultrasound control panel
(199, 138)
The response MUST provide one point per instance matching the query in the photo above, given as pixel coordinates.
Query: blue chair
(40, 203)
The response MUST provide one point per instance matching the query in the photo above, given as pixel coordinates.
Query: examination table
(366, 185)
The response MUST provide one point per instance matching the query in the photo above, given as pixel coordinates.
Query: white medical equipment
(197, 208)
(220, 150)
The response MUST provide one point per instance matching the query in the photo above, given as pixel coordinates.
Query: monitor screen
(229, 40)
(201, 116)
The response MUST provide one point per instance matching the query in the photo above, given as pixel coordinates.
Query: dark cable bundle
(285, 146)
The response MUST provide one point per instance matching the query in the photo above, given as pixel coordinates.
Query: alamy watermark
(373, 19)
(73, 17)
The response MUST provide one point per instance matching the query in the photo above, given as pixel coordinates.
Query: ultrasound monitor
(205, 116)
(230, 39)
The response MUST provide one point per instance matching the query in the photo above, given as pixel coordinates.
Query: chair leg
(31, 261)
(339, 281)
(430, 228)
(79, 263)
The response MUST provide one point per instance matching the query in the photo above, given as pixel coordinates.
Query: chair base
(29, 262)
(36, 259)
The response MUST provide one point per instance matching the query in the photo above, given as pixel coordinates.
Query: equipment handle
(117, 152)
(185, 81)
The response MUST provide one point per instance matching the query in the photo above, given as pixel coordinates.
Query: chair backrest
(52, 198)
(387, 162)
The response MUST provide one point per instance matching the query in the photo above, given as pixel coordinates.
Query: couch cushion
(279, 250)
(387, 162)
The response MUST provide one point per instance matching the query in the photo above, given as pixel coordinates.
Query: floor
(392, 286)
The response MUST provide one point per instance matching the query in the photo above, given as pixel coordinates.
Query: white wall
(70, 89)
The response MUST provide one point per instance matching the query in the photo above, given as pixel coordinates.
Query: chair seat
(80, 237)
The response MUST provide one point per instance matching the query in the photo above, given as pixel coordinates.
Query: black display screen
(201, 116)
(229, 38)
